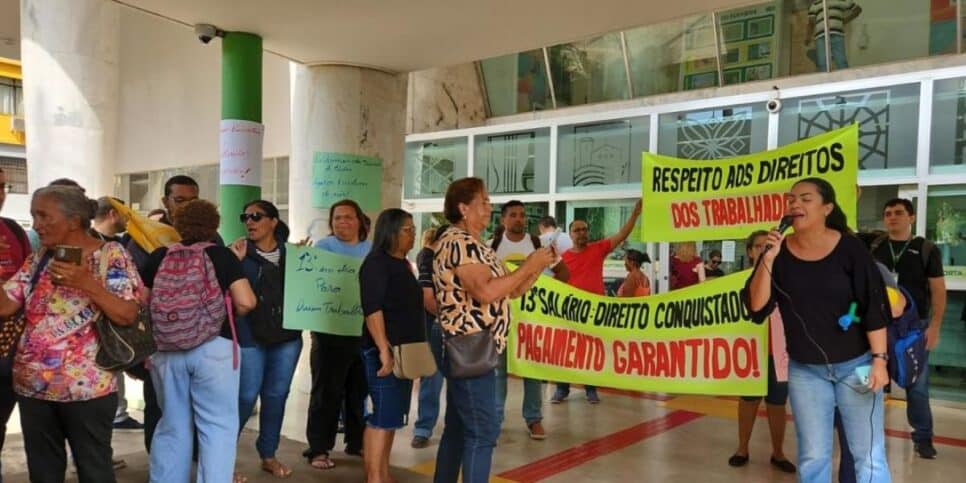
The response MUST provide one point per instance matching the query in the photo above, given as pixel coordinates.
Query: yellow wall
(7, 135)
(11, 69)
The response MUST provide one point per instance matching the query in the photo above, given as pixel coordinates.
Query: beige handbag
(413, 361)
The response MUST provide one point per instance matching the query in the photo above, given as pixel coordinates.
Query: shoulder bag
(121, 347)
(470, 355)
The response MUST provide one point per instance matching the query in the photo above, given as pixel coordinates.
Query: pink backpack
(188, 307)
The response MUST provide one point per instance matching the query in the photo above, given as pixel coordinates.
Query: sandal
(322, 462)
(276, 468)
(237, 478)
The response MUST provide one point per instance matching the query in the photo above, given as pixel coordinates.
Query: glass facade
(601, 155)
(432, 165)
(888, 120)
(948, 146)
(514, 163)
(516, 83)
(716, 133)
(757, 42)
(589, 71)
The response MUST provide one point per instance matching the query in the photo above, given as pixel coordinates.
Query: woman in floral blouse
(63, 395)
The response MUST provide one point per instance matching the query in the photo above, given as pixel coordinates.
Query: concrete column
(349, 110)
(241, 131)
(70, 67)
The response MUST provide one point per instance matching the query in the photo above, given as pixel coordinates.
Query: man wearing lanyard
(917, 265)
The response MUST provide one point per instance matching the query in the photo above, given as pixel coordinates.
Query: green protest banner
(322, 291)
(697, 340)
(337, 176)
(726, 199)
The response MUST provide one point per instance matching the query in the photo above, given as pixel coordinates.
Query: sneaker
(558, 397)
(926, 450)
(536, 431)
(592, 397)
(128, 424)
(419, 442)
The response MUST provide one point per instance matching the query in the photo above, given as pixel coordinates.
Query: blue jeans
(470, 431)
(197, 388)
(266, 374)
(532, 395)
(816, 390)
(836, 48)
(430, 387)
(917, 406)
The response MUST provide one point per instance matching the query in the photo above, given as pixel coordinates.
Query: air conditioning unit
(17, 124)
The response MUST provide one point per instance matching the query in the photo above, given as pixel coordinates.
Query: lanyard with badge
(895, 258)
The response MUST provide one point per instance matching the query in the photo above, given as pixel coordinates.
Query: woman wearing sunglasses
(269, 352)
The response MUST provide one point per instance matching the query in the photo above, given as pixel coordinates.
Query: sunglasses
(715, 262)
(256, 217)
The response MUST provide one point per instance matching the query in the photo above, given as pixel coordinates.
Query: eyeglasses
(256, 217)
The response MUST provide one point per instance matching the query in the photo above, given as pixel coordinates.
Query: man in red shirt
(585, 262)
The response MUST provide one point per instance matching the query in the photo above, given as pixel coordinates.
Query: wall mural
(602, 152)
(869, 109)
(715, 134)
(510, 163)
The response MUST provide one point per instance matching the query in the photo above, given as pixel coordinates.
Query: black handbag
(470, 355)
(121, 347)
(11, 330)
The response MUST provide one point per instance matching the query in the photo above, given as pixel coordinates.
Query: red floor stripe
(578, 455)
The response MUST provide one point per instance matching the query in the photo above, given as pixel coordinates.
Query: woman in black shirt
(392, 303)
(817, 277)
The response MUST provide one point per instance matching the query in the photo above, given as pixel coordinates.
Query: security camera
(774, 106)
(206, 32)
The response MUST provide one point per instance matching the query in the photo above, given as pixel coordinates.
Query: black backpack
(265, 319)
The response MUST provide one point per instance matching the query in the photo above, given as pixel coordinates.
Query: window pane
(888, 120)
(750, 42)
(15, 170)
(672, 56)
(603, 155)
(282, 168)
(514, 162)
(432, 165)
(948, 147)
(946, 226)
(516, 83)
(864, 32)
(872, 200)
(589, 71)
(714, 133)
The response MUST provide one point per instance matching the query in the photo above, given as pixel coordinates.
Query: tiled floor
(628, 437)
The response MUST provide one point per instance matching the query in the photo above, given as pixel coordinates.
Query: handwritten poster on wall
(322, 292)
(241, 152)
(337, 176)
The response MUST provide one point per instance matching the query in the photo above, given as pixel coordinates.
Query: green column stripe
(233, 200)
(241, 77)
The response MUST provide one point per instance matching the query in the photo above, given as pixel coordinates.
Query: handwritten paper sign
(241, 152)
(322, 292)
(337, 176)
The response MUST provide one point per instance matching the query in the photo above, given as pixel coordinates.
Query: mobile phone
(67, 253)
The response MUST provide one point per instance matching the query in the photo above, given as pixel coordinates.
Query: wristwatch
(881, 355)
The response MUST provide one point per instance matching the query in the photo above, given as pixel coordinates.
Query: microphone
(783, 226)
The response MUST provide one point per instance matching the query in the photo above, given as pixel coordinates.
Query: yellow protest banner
(697, 340)
(686, 200)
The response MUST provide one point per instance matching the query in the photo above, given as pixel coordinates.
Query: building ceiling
(403, 35)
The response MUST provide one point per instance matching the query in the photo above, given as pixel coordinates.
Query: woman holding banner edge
(816, 275)
(472, 292)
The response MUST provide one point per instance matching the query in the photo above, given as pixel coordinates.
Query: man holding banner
(585, 261)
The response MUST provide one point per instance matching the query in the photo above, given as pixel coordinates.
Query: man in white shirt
(513, 243)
